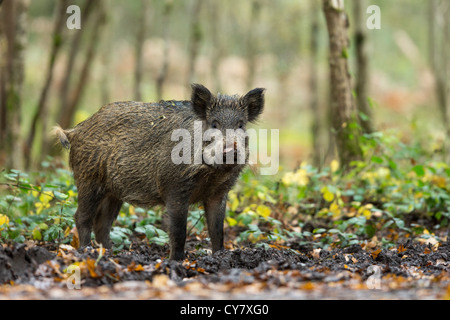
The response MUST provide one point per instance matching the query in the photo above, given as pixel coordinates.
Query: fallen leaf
(75, 240)
(308, 286)
(139, 267)
(316, 253)
(131, 266)
(375, 253)
(401, 248)
(90, 263)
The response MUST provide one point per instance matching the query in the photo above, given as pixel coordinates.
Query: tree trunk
(140, 39)
(74, 96)
(439, 60)
(13, 21)
(67, 115)
(42, 104)
(168, 6)
(195, 39)
(106, 46)
(362, 67)
(251, 43)
(74, 52)
(345, 121)
(216, 40)
(313, 84)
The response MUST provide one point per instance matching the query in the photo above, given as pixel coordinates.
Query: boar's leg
(88, 202)
(107, 212)
(177, 211)
(215, 214)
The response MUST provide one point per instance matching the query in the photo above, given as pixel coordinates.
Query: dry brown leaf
(75, 240)
(308, 286)
(131, 266)
(375, 253)
(92, 268)
(401, 249)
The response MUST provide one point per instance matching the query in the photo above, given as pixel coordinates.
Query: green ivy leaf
(419, 170)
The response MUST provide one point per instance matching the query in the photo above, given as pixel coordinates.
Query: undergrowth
(399, 191)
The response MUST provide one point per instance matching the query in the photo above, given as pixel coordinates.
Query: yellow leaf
(334, 165)
(334, 208)
(131, 210)
(231, 221)
(36, 234)
(45, 197)
(234, 204)
(263, 210)
(439, 181)
(287, 178)
(4, 220)
(301, 177)
(71, 194)
(67, 232)
(328, 196)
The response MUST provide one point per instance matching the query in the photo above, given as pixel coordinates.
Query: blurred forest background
(153, 49)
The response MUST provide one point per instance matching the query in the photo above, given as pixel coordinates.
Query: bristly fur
(122, 153)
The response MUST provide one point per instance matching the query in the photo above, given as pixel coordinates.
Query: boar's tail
(62, 135)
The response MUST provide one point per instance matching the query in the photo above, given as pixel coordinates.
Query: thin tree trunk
(439, 56)
(57, 40)
(67, 117)
(217, 46)
(342, 103)
(160, 81)
(362, 67)
(74, 52)
(313, 84)
(140, 39)
(13, 21)
(251, 43)
(195, 39)
(106, 52)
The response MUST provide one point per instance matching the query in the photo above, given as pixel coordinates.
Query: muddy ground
(410, 270)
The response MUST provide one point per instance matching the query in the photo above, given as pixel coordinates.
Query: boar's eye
(214, 124)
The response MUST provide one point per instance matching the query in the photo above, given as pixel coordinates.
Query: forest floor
(410, 270)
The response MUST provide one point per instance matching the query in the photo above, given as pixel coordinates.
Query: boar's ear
(254, 100)
(201, 100)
